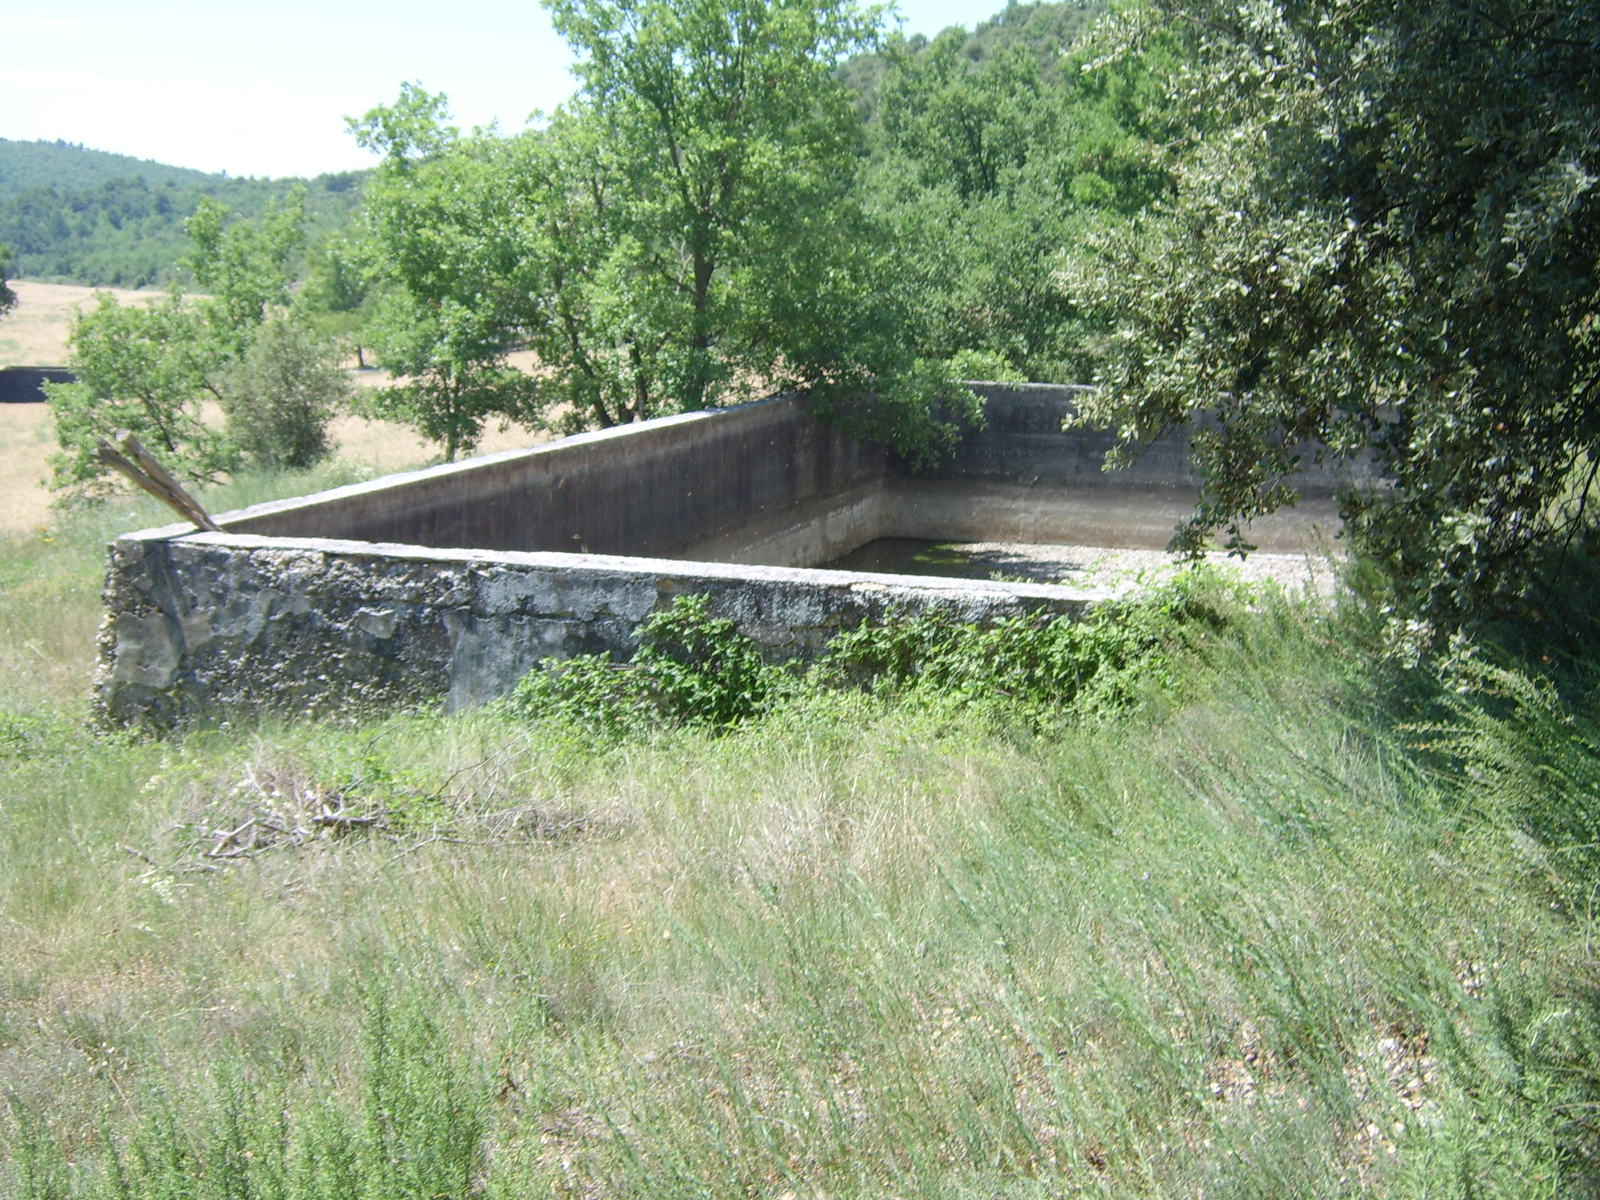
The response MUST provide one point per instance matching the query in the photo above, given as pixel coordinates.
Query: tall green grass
(1298, 922)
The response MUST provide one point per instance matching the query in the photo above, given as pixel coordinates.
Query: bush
(143, 368)
(417, 1129)
(281, 395)
(692, 668)
(1038, 668)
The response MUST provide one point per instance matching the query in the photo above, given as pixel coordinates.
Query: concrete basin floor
(1104, 569)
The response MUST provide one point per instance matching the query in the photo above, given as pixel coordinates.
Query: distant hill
(74, 215)
(1047, 29)
(58, 164)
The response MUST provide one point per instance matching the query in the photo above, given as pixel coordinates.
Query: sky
(263, 90)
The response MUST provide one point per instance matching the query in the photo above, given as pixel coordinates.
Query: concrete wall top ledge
(687, 571)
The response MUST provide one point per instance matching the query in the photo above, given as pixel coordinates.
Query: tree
(8, 298)
(727, 245)
(964, 123)
(146, 368)
(445, 243)
(151, 369)
(989, 167)
(1384, 240)
(650, 243)
(246, 266)
(714, 124)
(279, 397)
(339, 290)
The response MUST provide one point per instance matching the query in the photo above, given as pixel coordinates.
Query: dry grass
(34, 333)
(27, 437)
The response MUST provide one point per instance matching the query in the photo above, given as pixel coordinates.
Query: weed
(690, 668)
(694, 669)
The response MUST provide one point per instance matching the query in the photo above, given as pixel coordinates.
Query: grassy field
(34, 333)
(1302, 922)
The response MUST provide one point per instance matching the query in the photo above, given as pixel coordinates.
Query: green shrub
(692, 668)
(418, 1129)
(1039, 667)
(281, 395)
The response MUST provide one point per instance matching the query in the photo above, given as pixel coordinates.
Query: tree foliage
(715, 120)
(443, 246)
(8, 298)
(963, 122)
(994, 159)
(246, 266)
(149, 369)
(280, 394)
(152, 368)
(338, 291)
(1385, 239)
(683, 233)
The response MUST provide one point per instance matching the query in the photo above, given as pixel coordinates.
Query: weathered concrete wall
(658, 488)
(1022, 443)
(766, 483)
(212, 624)
(454, 581)
(1021, 478)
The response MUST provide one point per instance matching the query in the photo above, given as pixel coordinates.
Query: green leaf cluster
(151, 369)
(1383, 242)
(690, 668)
(147, 369)
(694, 668)
(684, 233)
(994, 158)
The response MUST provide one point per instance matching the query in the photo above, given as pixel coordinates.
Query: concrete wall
(25, 385)
(454, 581)
(1022, 479)
(765, 483)
(662, 488)
(210, 624)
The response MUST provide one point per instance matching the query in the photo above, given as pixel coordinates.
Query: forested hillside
(75, 167)
(74, 215)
